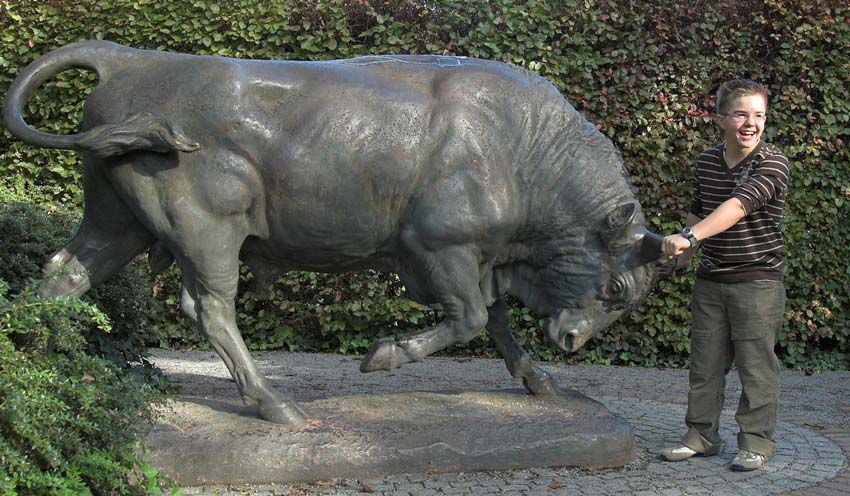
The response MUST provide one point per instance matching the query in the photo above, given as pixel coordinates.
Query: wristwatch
(688, 233)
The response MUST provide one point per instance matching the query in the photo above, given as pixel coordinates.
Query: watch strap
(689, 235)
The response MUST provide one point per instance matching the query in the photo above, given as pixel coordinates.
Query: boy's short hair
(737, 88)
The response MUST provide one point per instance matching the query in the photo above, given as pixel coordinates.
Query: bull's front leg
(518, 361)
(452, 275)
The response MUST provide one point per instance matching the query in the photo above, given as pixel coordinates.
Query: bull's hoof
(282, 412)
(384, 354)
(541, 384)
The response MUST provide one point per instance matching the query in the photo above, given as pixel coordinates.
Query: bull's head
(583, 287)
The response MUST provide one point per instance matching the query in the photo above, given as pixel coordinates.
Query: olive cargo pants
(741, 322)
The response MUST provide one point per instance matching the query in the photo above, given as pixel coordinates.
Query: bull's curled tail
(138, 132)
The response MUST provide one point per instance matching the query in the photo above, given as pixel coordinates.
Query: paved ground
(813, 433)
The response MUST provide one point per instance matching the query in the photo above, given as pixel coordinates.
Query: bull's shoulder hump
(444, 65)
(425, 63)
(458, 80)
(410, 61)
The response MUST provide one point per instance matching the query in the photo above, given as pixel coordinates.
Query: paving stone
(670, 492)
(823, 473)
(443, 481)
(808, 478)
(538, 492)
(696, 490)
(454, 490)
(713, 480)
(835, 484)
(793, 484)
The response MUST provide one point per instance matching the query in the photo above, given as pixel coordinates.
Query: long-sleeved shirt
(752, 249)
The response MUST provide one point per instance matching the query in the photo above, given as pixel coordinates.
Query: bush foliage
(644, 72)
(70, 420)
(76, 394)
(29, 234)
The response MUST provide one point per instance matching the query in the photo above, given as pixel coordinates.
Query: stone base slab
(203, 441)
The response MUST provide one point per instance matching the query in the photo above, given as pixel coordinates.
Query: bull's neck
(571, 173)
(570, 212)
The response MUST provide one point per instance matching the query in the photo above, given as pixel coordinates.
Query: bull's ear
(619, 222)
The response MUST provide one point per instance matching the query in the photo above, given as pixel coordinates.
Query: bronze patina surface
(470, 179)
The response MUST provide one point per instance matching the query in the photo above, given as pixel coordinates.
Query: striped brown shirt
(751, 249)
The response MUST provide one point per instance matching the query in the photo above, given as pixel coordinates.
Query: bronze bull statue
(470, 179)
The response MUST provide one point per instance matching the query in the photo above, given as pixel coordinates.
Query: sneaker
(746, 461)
(678, 453)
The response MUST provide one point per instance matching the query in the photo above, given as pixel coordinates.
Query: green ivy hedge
(645, 72)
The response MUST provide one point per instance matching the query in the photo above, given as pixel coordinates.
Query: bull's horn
(646, 250)
(649, 247)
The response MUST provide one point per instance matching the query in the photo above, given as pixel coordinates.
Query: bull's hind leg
(518, 361)
(210, 279)
(452, 275)
(109, 237)
(92, 256)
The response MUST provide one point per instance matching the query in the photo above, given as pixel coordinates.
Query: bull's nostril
(567, 342)
(569, 339)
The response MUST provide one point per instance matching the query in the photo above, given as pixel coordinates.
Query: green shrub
(30, 233)
(70, 421)
(75, 400)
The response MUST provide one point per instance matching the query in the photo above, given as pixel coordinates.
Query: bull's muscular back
(341, 157)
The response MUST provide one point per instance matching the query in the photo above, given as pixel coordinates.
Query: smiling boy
(738, 200)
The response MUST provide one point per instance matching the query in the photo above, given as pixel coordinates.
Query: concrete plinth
(202, 441)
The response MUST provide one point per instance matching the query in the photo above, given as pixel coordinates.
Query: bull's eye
(615, 288)
(614, 294)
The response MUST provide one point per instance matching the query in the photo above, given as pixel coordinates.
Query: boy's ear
(718, 119)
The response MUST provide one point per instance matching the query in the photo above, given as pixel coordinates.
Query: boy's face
(743, 123)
